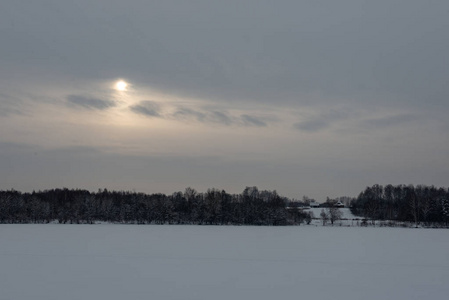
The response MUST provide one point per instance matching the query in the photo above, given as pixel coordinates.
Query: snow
(347, 218)
(221, 262)
(346, 212)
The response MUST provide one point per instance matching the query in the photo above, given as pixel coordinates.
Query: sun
(121, 85)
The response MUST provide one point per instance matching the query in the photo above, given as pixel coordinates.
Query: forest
(423, 205)
(214, 207)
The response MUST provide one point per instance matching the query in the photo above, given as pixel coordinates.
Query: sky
(319, 98)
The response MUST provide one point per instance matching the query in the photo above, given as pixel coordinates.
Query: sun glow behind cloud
(121, 85)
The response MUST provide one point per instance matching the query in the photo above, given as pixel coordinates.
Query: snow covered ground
(346, 212)
(347, 218)
(221, 262)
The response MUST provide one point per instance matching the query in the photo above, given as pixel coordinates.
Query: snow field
(221, 262)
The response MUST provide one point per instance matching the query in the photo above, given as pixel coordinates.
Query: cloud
(323, 120)
(90, 103)
(146, 108)
(312, 125)
(253, 121)
(222, 117)
(187, 113)
(243, 55)
(9, 147)
(205, 116)
(9, 105)
(389, 121)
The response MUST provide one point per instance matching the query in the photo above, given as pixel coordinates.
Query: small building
(339, 204)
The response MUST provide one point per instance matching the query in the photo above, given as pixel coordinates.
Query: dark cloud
(218, 117)
(312, 125)
(323, 120)
(187, 113)
(89, 102)
(146, 108)
(253, 121)
(389, 121)
(205, 116)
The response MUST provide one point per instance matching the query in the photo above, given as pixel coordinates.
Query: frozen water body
(221, 262)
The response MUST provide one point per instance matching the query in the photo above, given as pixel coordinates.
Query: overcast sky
(318, 98)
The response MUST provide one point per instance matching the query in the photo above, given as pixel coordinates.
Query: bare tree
(324, 217)
(413, 203)
(333, 211)
(445, 209)
(427, 203)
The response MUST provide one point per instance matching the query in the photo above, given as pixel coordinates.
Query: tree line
(214, 207)
(419, 204)
(425, 205)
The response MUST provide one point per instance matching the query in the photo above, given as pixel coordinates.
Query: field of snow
(221, 262)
